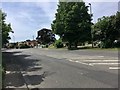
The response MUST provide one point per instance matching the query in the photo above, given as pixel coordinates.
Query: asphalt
(47, 68)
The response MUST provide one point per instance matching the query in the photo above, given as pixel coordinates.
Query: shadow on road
(15, 63)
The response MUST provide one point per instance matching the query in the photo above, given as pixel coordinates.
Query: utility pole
(91, 24)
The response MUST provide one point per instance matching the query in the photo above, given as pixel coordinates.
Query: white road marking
(114, 68)
(76, 61)
(100, 56)
(105, 63)
(7, 72)
(84, 63)
(71, 60)
(80, 62)
(101, 60)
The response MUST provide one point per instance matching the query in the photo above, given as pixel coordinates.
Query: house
(27, 44)
(31, 43)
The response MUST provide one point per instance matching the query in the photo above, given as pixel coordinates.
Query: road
(58, 68)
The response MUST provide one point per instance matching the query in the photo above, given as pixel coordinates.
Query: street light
(91, 24)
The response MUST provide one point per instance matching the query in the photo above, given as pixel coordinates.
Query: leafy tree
(58, 23)
(72, 23)
(116, 22)
(6, 28)
(45, 36)
(107, 30)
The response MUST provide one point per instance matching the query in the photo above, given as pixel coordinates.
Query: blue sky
(27, 18)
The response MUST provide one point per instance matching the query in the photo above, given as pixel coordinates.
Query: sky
(29, 16)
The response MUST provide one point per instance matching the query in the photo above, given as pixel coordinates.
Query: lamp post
(91, 24)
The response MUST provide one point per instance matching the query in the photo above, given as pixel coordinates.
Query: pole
(91, 24)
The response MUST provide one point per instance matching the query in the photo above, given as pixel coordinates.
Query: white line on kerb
(114, 68)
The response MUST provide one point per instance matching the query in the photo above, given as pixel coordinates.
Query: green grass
(85, 48)
(51, 46)
(107, 49)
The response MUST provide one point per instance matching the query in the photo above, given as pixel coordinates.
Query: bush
(24, 46)
(59, 43)
(107, 44)
(46, 45)
(117, 45)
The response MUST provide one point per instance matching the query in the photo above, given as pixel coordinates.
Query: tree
(58, 23)
(107, 30)
(6, 28)
(117, 24)
(45, 36)
(72, 23)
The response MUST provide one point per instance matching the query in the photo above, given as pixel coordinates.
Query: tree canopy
(6, 28)
(72, 22)
(45, 36)
(107, 29)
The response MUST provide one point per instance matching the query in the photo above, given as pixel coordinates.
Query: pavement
(49, 68)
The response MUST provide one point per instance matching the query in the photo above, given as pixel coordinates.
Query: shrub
(24, 46)
(59, 43)
(46, 45)
(117, 45)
